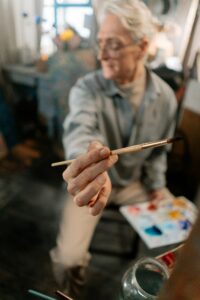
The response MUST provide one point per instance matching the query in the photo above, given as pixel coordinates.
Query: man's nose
(103, 53)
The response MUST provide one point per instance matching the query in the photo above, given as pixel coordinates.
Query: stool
(114, 236)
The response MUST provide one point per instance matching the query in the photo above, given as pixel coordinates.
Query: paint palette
(162, 223)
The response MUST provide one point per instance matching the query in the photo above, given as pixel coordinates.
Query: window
(74, 2)
(58, 13)
(74, 16)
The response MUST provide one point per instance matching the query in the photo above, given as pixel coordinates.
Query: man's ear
(144, 44)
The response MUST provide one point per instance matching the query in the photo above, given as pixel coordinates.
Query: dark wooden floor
(31, 200)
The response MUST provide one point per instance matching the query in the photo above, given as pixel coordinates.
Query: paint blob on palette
(162, 223)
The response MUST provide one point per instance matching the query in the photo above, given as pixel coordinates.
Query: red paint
(134, 209)
(152, 206)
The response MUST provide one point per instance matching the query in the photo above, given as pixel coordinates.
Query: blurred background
(46, 45)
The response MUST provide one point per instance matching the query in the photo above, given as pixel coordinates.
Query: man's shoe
(75, 282)
(71, 281)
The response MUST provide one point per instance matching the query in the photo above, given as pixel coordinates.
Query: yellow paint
(180, 202)
(175, 214)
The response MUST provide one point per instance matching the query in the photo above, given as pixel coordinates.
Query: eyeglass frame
(109, 48)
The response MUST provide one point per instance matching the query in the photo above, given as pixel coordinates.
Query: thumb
(95, 145)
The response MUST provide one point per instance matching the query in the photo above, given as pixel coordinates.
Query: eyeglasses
(113, 48)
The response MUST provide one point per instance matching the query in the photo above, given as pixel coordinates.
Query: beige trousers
(77, 227)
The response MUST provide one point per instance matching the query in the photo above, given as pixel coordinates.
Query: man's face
(117, 52)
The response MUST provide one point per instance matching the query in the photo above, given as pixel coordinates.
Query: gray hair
(134, 15)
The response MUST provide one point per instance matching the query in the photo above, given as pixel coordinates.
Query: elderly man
(121, 105)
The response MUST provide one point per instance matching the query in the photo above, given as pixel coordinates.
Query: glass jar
(144, 279)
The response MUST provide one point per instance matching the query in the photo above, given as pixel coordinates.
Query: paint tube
(169, 258)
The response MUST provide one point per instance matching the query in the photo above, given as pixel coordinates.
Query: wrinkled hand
(156, 195)
(88, 180)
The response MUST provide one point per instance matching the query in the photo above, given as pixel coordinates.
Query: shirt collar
(153, 89)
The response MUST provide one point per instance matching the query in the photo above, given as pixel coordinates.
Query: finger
(85, 160)
(78, 183)
(158, 198)
(90, 192)
(95, 145)
(156, 195)
(100, 203)
(93, 200)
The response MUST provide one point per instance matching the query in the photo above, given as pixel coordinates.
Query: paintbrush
(63, 296)
(135, 148)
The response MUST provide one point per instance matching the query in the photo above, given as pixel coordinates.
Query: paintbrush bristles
(135, 148)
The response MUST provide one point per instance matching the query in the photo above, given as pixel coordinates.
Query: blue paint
(153, 231)
(185, 224)
(169, 226)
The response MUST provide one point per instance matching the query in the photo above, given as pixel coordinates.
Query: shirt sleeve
(81, 124)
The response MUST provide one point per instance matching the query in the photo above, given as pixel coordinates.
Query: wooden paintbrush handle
(135, 148)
